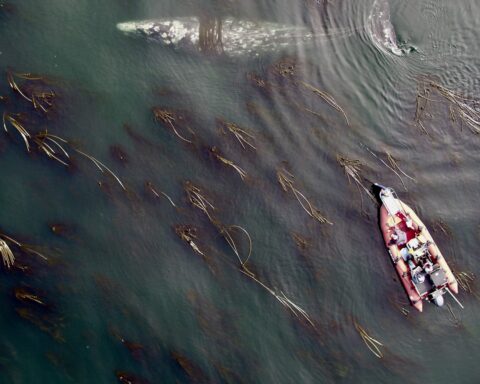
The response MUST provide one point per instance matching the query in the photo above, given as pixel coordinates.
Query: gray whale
(230, 36)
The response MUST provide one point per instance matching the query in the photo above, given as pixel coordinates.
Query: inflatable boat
(420, 265)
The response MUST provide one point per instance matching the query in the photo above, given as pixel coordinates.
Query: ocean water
(124, 296)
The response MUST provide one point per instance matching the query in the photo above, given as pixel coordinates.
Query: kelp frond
(286, 180)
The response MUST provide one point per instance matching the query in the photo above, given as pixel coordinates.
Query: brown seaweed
(191, 370)
(157, 193)
(286, 180)
(188, 234)
(465, 280)
(218, 155)
(129, 378)
(461, 108)
(42, 99)
(7, 254)
(198, 199)
(393, 166)
(27, 295)
(287, 70)
(172, 119)
(14, 121)
(62, 230)
(53, 146)
(47, 323)
(353, 169)
(118, 153)
(301, 242)
(372, 344)
(243, 136)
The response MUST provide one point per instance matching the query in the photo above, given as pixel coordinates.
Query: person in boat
(428, 267)
(398, 237)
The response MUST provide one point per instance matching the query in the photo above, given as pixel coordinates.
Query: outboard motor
(439, 301)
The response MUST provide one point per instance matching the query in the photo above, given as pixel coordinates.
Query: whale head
(171, 32)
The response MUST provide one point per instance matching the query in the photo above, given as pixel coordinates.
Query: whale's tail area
(382, 32)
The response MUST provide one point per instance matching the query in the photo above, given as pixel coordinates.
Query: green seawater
(125, 294)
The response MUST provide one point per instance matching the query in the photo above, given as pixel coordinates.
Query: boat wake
(382, 32)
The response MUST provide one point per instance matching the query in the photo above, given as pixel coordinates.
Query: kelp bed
(36, 92)
(432, 97)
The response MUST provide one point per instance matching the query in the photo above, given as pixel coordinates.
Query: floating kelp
(401, 305)
(243, 136)
(217, 154)
(140, 139)
(453, 318)
(466, 109)
(197, 198)
(118, 153)
(188, 234)
(137, 350)
(301, 242)
(393, 165)
(214, 322)
(286, 180)
(31, 303)
(372, 344)
(64, 230)
(440, 225)
(14, 121)
(173, 120)
(129, 378)
(228, 376)
(190, 369)
(7, 8)
(258, 81)
(39, 95)
(7, 254)
(465, 280)
(102, 167)
(53, 146)
(157, 193)
(462, 109)
(353, 169)
(28, 296)
(287, 79)
(287, 70)
(47, 322)
(327, 98)
(228, 234)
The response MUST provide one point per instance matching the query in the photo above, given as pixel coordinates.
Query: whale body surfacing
(230, 36)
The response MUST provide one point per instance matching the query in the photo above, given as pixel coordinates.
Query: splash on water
(382, 32)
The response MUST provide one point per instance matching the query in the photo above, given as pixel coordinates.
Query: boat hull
(387, 227)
